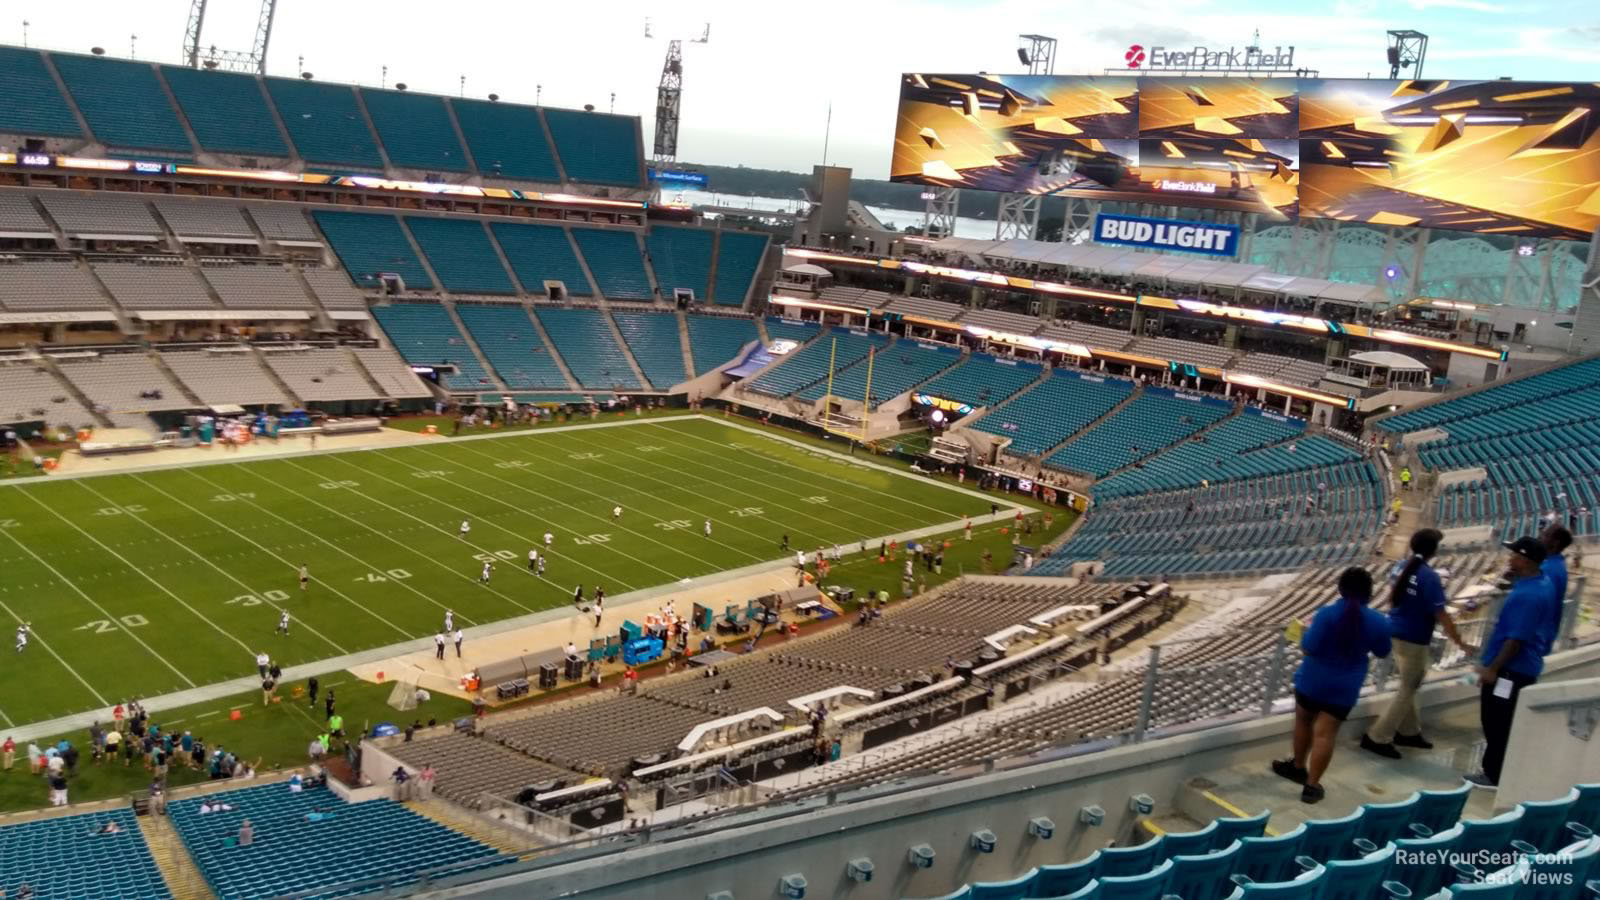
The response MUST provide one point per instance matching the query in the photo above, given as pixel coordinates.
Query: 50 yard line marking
(90, 600)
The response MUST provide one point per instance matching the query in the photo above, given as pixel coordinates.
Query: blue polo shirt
(1417, 606)
(1335, 663)
(1526, 617)
(1554, 568)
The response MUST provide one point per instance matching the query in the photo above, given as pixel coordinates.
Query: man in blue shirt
(1513, 657)
(1556, 539)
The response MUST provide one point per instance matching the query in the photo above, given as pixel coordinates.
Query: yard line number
(257, 600)
(107, 626)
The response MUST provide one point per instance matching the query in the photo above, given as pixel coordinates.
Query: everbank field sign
(1156, 58)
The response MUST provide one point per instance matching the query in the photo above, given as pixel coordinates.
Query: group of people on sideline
(1342, 637)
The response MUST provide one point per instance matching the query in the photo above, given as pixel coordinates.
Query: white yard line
(532, 542)
(50, 650)
(90, 600)
(631, 474)
(224, 526)
(343, 552)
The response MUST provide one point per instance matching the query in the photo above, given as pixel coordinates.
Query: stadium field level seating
(461, 255)
(540, 253)
(790, 330)
(653, 340)
(586, 345)
(983, 380)
(682, 259)
(370, 244)
(614, 258)
(739, 256)
(425, 336)
(67, 857)
(809, 365)
(1046, 415)
(1156, 419)
(895, 369)
(507, 337)
(715, 340)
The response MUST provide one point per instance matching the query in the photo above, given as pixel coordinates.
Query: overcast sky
(758, 93)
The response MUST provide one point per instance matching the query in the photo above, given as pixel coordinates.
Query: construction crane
(669, 98)
(230, 60)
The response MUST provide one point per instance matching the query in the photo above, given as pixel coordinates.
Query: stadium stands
(263, 287)
(895, 369)
(614, 258)
(1190, 352)
(425, 336)
(586, 345)
(226, 111)
(34, 394)
(121, 382)
(739, 256)
(370, 244)
(1196, 461)
(540, 253)
(319, 374)
(506, 140)
(391, 373)
(224, 377)
(324, 122)
(1500, 402)
(333, 289)
(283, 222)
(595, 148)
(90, 215)
(34, 104)
(69, 856)
(1156, 419)
(415, 130)
(460, 254)
(18, 218)
(983, 380)
(790, 330)
(681, 258)
(809, 365)
(508, 339)
(311, 839)
(123, 102)
(653, 340)
(159, 285)
(204, 219)
(468, 768)
(48, 286)
(714, 340)
(1054, 410)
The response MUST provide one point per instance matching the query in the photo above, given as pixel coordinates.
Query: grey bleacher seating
(257, 287)
(1301, 371)
(860, 298)
(18, 218)
(83, 214)
(598, 736)
(1093, 335)
(48, 285)
(392, 373)
(1192, 352)
(283, 222)
(188, 217)
(333, 288)
(919, 306)
(470, 767)
(160, 285)
(114, 381)
(1013, 323)
(33, 394)
(320, 374)
(225, 377)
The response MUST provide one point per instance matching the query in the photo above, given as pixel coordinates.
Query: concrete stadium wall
(749, 860)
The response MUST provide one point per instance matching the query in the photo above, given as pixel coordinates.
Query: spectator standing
(1336, 646)
(311, 688)
(1556, 539)
(247, 833)
(1416, 605)
(1513, 657)
(8, 754)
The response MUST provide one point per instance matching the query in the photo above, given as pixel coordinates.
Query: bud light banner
(1167, 234)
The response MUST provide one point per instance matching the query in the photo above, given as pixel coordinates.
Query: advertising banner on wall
(1499, 157)
(1167, 234)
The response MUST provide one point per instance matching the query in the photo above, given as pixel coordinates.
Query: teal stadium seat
(33, 103)
(1423, 865)
(739, 255)
(506, 140)
(1361, 879)
(461, 255)
(1203, 876)
(1059, 880)
(372, 243)
(415, 130)
(613, 256)
(983, 380)
(1330, 839)
(681, 258)
(1384, 822)
(1563, 873)
(1012, 889)
(656, 346)
(1046, 415)
(1438, 810)
(1544, 822)
(1268, 858)
(895, 369)
(53, 856)
(1503, 884)
(585, 344)
(122, 102)
(791, 330)
(227, 112)
(1233, 828)
(1134, 860)
(808, 366)
(1502, 401)
(540, 253)
(596, 148)
(1148, 885)
(1479, 836)
(1586, 811)
(714, 340)
(1155, 420)
(324, 122)
(1305, 886)
(512, 345)
(1189, 843)
(424, 335)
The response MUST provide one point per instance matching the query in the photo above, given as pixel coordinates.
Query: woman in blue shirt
(1416, 604)
(1326, 687)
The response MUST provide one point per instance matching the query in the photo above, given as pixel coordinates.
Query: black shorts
(1340, 712)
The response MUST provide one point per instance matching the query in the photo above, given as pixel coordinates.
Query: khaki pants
(1402, 715)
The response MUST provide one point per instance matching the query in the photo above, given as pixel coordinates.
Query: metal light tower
(669, 98)
(231, 60)
(1407, 50)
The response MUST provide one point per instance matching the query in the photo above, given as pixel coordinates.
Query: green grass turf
(276, 735)
(152, 582)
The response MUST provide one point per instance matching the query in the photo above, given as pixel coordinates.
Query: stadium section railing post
(1148, 696)
(1280, 649)
(1571, 609)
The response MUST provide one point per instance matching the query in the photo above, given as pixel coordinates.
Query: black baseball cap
(1526, 547)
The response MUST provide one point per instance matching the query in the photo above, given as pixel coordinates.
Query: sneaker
(1480, 780)
(1413, 740)
(1312, 793)
(1285, 768)
(1387, 751)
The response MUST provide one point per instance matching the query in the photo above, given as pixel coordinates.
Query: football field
(151, 582)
